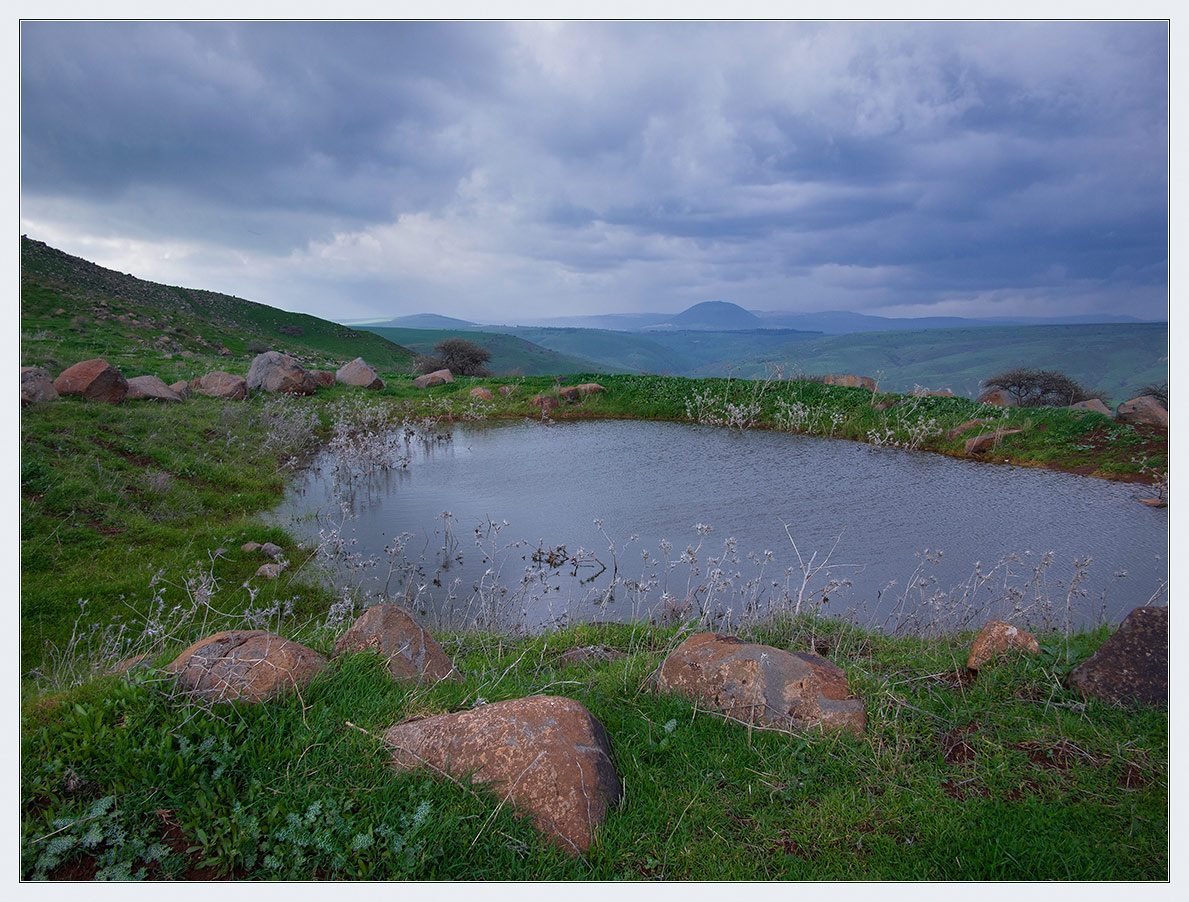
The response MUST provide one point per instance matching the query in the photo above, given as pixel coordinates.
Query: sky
(509, 171)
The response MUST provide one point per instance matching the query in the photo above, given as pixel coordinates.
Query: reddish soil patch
(1060, 755)
(955, 745)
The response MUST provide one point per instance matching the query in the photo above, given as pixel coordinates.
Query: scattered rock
(326, 378)
(95, 380)
(997, 638)
(1154, 502)
(789, 690)
(409, 651)
(996, 396)
(247, 665)
(249, 547)
(545, 402)
(506, 390)
(269, 571)
(570, 393)
(181, 388)
(886, 405)
(1094, 405)
(547, 755)
(987, 440)
(963, 427)
(1132, 665)
(429, 380)
(589, 654)
(849, 381)
(271, 550)
(359, 373)
(221, 385)
(276, 372)
(483, 394)
(37, 385)
(921, 392)
(1144, 410)
(590, 388)
(150, 388)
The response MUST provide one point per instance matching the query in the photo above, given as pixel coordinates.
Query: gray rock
(221, 385)
(273, 371)
(359, 373)
(429, 380)
(150, 388)
(1132, 665)
(37, 385)
(1144, 410)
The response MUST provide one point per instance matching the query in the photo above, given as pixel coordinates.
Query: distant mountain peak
(721, 315)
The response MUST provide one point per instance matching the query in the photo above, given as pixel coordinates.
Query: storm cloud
(504, 171)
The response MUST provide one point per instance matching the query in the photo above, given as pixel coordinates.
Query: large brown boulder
(545, 402)
(590, 388)
(429, 380)
(1094, 405)
(548, 756)
(221, 385)
(997, 638)
(181, 388)
(95, 380)
(245, 665)
(996, 396)
(483, 394)
(36, 385)
(150, 388)
(409, 651)
(1144, 410)
(1132, 665)
(359, 372)
(276, 372)
(789, 690)
(326, 378)
(570, 393)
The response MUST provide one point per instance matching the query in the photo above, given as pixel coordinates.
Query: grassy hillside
(509, 353)
(72, 310)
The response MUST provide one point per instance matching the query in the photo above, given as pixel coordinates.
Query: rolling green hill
(72, 310)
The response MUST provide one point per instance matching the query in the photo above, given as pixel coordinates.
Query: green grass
(1008, 778)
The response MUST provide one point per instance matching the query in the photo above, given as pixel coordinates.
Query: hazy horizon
(517, 171)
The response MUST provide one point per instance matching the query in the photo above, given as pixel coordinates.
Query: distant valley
(717, 339)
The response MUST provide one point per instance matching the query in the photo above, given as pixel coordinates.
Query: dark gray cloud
(492, 170)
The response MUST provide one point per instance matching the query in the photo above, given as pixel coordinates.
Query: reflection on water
(620, 519)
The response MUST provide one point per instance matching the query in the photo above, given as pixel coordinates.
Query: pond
(532, 524)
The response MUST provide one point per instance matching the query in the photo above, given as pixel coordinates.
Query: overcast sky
(512, 170)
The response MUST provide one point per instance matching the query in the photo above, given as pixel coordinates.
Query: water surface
(879, 516)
